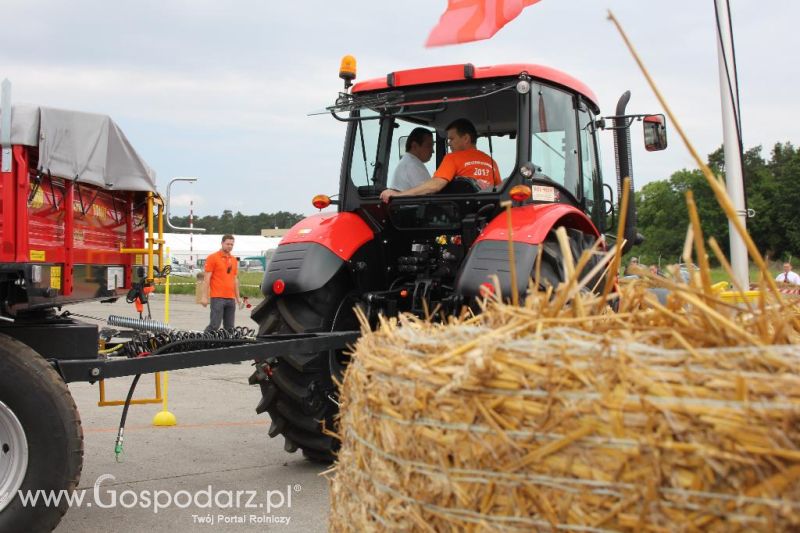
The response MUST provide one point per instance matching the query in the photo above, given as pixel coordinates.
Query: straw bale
(676, 417)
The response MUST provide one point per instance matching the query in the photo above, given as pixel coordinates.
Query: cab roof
(466, 71)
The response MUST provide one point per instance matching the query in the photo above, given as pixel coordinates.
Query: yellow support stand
(164, 417)
(104, 402)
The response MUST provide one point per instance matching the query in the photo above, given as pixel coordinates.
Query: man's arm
(236, 285)
(429, 187)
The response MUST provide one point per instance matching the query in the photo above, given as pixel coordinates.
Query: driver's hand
(387, 194)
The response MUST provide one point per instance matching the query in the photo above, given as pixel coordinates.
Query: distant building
(192, 250)
(276, 232)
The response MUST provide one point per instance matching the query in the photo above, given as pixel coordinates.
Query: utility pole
(731, 141)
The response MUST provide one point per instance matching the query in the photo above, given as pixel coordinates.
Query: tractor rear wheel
(552, 271)
(41, 439)
(298, 391)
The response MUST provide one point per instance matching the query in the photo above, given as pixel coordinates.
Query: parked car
(182, 270)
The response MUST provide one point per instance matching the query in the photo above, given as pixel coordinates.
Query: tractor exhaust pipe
(622, 151)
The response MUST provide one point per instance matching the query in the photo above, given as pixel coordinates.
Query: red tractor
(436, 252)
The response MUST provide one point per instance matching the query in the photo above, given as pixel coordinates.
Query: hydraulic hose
(163, 349)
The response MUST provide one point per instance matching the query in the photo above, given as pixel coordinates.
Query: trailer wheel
(41, 439)
(298, 391)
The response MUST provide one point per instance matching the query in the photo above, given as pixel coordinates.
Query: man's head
(461, 135)
(787, 266)
(420, 143)
(227, 243)
(634, 260)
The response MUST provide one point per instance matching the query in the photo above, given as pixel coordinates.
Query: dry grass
(662, 418)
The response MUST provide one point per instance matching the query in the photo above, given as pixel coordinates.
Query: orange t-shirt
(223, 280)
(470, 163)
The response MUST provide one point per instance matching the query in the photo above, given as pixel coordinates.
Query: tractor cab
(536, 123)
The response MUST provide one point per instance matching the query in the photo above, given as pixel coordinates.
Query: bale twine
(676, 417)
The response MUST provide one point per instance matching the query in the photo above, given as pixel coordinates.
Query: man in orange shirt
(222, 285)
(464, 160)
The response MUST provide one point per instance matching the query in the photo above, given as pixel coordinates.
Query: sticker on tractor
(543, 193)
(139, 260)
(55, 277)
(37, 255)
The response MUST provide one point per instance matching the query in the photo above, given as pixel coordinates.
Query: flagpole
(731, 146)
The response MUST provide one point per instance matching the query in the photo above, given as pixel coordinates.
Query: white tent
(187, 249)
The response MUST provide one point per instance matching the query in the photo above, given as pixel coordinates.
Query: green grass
(249, 283)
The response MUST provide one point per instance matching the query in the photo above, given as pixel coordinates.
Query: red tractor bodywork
(530, 224)
(451, 73)
(341, 233)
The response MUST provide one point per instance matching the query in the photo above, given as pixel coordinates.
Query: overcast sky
(220, 90)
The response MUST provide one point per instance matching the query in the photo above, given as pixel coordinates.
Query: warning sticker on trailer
(543, 193)
(37, 255)
(55, 277)
(115, 278)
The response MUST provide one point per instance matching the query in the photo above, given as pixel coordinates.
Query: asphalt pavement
(217, 469)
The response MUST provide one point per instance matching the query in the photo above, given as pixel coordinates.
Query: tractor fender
(313, 251)
(530, 224)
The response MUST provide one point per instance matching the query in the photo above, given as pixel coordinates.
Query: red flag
(473, 20)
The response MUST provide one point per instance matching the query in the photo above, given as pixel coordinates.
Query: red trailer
(77, 212)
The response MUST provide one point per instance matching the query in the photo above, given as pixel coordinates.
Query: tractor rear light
(486, 290)
(404, 293)
(278, 286)
(321, 201)
(520, 193)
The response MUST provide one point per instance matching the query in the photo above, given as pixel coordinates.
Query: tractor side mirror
(655, 133)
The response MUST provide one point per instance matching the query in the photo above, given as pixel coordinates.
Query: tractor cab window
(554, 139)
(589, 164)
(503, 149)
(378, 140)
(364, 164)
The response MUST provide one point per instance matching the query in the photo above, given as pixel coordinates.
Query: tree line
(240, 224)
(771, 190)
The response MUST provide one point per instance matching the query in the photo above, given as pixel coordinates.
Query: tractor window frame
(591, 174)
(546, 139)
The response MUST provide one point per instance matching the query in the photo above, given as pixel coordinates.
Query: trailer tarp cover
(88, 146)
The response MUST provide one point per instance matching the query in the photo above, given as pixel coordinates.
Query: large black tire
(552, 271)
(39, 422)
(298, 391)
